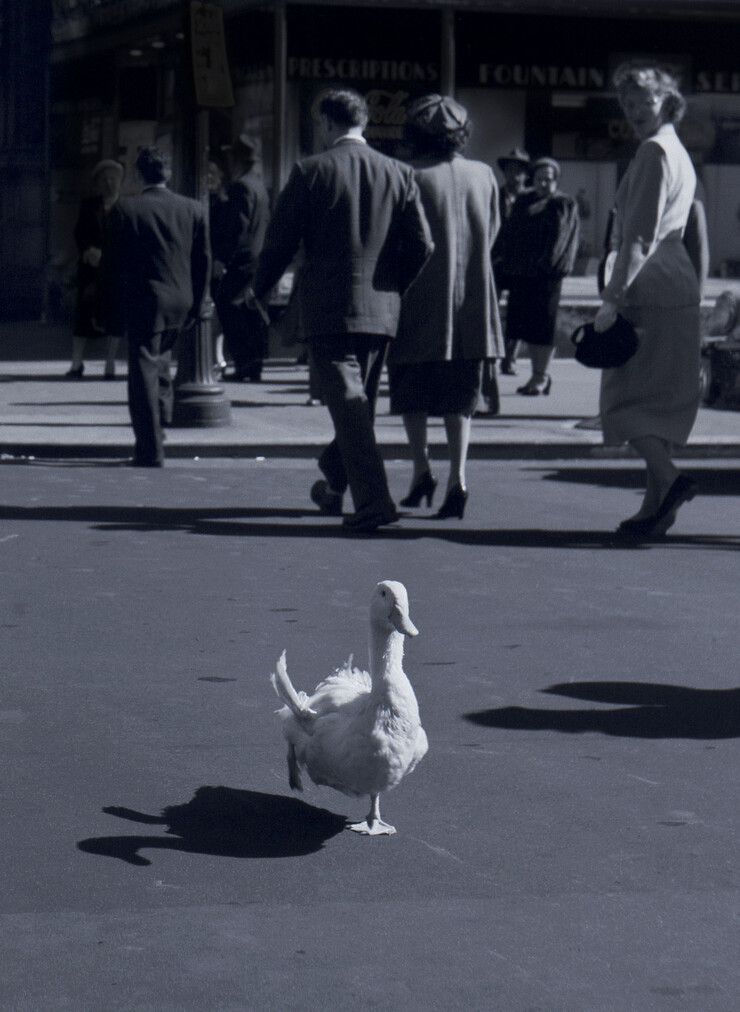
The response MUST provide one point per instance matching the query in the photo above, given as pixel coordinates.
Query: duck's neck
(386, 657)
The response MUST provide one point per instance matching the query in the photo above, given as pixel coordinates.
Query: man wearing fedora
(516, 167)
(243, 220)
(156, 266)
(365, 237)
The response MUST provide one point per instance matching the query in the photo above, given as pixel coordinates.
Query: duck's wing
(422, 746)
(341, 687)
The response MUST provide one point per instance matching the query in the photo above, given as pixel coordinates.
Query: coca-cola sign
(386, 114)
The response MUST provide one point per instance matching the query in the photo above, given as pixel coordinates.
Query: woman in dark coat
(449, 317)
(537, 248)
(107, 177)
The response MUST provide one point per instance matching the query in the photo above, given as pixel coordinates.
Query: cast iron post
(200, 401)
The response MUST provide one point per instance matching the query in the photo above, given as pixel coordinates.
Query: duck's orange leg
(373, 824)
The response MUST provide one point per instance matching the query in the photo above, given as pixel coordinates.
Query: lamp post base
(201, 406)
(200, 402)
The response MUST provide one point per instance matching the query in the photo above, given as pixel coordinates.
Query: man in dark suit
(156, 267)
(365, 238)
(243, 219)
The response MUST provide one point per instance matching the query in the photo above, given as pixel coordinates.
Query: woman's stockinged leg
(661, 472)
(457, 428)
(78, 350)
(416, 432)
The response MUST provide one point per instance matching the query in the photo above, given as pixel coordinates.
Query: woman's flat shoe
(75, 374)
(423, 487)
(454, 504)
(534, 387)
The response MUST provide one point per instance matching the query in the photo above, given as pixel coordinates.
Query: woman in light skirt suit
(652, 401)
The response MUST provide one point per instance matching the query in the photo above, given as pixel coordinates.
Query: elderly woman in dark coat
(107, 177)
(537, 248)
(449, 317)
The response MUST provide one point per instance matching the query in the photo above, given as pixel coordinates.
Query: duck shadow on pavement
(645, 710)
(224, 822)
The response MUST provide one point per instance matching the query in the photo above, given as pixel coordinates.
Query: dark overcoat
(240, 227)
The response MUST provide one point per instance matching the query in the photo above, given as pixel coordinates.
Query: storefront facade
(122, 76)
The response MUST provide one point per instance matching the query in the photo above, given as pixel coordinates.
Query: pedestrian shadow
(283, 522)
(646, 710)
(224, 822)
(712, 481)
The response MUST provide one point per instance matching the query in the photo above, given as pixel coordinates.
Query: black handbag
(607, 349)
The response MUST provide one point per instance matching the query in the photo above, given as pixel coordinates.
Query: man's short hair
(153, 164)
(343, 106)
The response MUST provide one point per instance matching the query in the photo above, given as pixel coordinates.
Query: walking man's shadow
(227, 823)
(643, 710)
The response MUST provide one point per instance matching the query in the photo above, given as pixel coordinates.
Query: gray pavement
(45, 415)
(569, 843)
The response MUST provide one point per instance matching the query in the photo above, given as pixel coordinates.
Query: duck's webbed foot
(373, 825)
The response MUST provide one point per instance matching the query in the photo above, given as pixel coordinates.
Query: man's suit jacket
(365, 237)
(156, 261)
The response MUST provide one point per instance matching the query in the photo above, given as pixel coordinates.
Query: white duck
(359, 733)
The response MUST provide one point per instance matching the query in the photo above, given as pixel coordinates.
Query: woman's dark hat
(438, 115)
(518, 156)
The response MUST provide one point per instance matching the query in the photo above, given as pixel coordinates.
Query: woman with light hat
(107, 177)
(449, 317)
(538, 244)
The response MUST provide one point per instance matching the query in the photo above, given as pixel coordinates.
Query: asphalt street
(570, 842)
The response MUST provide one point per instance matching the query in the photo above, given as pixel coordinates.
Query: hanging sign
(208, 53)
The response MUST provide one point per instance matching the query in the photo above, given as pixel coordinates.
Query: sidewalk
(43, 414)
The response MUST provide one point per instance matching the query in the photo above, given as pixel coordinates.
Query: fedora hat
(248, 147)
(543, 163)
(517, 155)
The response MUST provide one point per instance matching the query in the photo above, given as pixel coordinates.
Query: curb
(390, 451)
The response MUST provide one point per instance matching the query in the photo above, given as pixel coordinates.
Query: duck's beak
(402, 622)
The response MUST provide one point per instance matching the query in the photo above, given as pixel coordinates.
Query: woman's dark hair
(153, 165)
(343, 106)
(655, 80)
(426, 145)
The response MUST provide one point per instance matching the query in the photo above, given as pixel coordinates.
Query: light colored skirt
(656, 393)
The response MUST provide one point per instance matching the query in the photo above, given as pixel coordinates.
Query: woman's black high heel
(423, 487)
(454, 504)
(534, 387)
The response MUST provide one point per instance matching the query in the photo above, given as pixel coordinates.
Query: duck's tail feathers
(297, 701)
